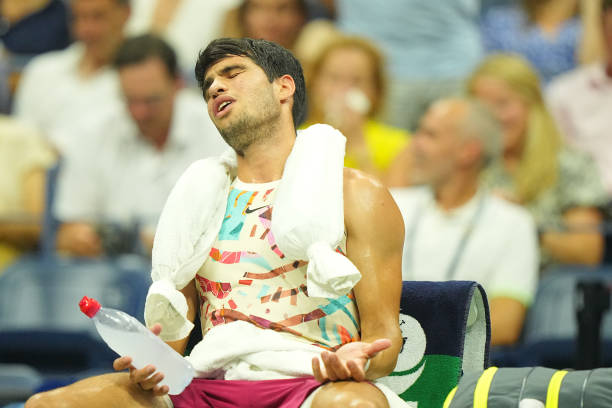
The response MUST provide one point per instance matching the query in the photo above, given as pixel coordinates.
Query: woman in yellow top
(346, 89)
(24, 158)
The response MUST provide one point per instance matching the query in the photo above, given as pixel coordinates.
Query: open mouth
(223, 106)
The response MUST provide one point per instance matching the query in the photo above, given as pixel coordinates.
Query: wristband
(366, 366)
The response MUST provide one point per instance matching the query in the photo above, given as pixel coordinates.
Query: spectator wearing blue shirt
(554, 36)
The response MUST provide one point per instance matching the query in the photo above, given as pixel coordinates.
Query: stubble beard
(248, 129)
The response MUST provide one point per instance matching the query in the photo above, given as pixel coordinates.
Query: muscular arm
(584, 245)
(375, 237)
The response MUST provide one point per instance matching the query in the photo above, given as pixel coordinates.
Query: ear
(286, 88)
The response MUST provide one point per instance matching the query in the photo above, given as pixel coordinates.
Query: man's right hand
(146, 377)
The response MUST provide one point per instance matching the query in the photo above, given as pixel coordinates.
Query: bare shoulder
(368, 205)
(358, 183)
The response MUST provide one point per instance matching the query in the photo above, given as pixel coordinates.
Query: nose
(218, 87)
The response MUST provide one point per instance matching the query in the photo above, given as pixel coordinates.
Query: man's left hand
(348, 362)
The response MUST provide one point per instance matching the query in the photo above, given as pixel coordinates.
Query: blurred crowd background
(100, 114)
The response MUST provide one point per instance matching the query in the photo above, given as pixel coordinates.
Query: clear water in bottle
(128, 337)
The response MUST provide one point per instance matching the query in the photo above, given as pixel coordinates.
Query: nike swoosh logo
(252, 210)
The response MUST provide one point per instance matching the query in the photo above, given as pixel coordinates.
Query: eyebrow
(226, 70)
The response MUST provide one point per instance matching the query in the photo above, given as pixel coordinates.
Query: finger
(151, 382)
(122, 363)
(376, 347)
(357, 372)
(142, 374)
(335, 367)
(331, 375)
(160, 391)
(316, 370)
(156, 329)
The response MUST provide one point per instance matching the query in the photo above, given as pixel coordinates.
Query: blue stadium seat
(49, 222)
(17, 382)
(551, 330)
(40, 321)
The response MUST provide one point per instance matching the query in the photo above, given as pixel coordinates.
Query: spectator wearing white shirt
(458, 231)
(126, 166)
(581, 102)
(60, 86)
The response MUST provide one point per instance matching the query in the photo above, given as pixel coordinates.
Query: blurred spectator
(24, 158)
(29, 28)
(431, 47)
(187, 25)
(346, 90)
(453, 226)
(279, 21)
(560, 187)
(554, 35)
(34, 26)
(112, 191)
(581, 101)
(58, 87)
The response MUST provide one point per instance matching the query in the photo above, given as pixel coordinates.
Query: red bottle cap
(89, 306)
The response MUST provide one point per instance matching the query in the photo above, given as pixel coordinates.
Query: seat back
(40, 321)
(551, 329)
(49, 222)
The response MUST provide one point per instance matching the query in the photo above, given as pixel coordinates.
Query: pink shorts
(203, 393)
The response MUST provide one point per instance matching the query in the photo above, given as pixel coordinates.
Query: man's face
(279, 21)
(98, 23)
(240, 100)
(435, 145)
(149, 92)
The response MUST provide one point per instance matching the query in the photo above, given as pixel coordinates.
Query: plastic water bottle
(128, 337)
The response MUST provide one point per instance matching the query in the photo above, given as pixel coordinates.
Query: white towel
(242, 351)
(308, 224)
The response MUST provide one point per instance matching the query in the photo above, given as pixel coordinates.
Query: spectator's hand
(347, 111)
(146, 377)
(79, 239)
(348, 362)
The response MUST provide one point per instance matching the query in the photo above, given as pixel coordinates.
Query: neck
(457, 191)
(264, 160)
(512, 158)
(97, 58)
(158, 138)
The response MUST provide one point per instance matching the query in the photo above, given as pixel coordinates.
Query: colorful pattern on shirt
(247, 277)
